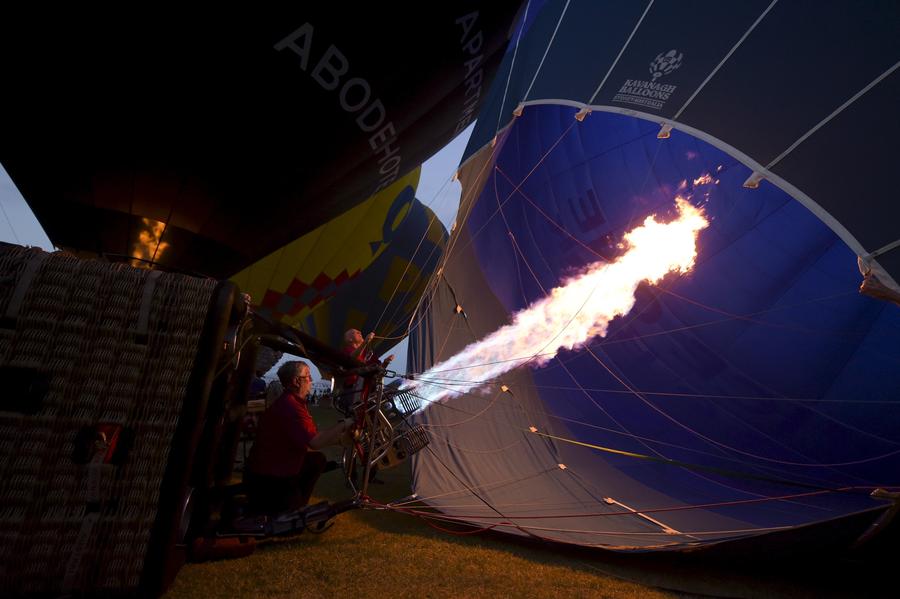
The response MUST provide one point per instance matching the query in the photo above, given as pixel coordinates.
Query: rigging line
(473, 416)
(711, 308)
(720, 446)
(459, 480)
(512, 66)
(546, 51)
(420, 313)
(517, 252)
(625, 429)
(809, 408)
(613, 533)
(758, 497)
(415, 374)
(819, 483)
(544, 292)
(700, 435)
(9, 222)
(409, 263)
(726, 446)
(402, 277)
(724, 60)
(453, 322)
(416, 317)
(552, 221)
(517, 187)
(640, 439)
(574, 316)
(667, 509)
(434, 433)
(562, 330)
(603, 258)
(467, 203)
(537, 503)
(733, 316)
(427, 522)
(726, 397)
(531, 505)
(439, 382)
(484, 487)
(715, 470)
(725, 457)
(836, 112)
(622, 51)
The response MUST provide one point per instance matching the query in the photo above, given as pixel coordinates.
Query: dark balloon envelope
(756, 394)
(205, 140)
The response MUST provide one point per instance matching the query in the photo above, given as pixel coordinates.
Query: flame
(576, 312)
(149, 245)
(704, 179)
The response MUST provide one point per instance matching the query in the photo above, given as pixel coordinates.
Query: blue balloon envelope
(758, 394)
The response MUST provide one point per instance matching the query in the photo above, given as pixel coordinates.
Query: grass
(376, 554)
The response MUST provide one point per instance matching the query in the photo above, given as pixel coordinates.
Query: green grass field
(376, 554)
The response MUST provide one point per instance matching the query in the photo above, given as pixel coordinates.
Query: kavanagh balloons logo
(666, 63)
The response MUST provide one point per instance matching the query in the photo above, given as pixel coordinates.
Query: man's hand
(370, 336)
(339, 434)
(347, 437)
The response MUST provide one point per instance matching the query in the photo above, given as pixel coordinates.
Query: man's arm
(332, 435)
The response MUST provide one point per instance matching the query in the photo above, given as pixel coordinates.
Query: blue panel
(763, 368)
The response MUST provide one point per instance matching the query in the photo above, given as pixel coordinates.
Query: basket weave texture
(67, 526)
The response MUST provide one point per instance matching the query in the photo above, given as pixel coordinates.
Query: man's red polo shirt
(282, 438)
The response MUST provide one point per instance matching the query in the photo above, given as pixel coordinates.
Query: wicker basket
(116, 357)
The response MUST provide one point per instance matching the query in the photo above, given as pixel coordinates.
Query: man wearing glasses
(284, 462)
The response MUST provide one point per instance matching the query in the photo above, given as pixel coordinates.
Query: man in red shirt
(284, 463)
(357, 347)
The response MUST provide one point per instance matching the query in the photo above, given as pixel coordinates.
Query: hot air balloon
(279, 148)
(365, 269)
(205, 142)
(231, 144)
(753, 397)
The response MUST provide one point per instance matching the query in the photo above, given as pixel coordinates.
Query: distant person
(284, 462)
(357, 347)
(258, 386)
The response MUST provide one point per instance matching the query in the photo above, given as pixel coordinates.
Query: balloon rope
(9, 222)
(524, 179)
(656, 510)
(819, 482)
(512, 65)
(543, 58)
(732, 316)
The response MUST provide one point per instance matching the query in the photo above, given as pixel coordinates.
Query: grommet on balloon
(753, 180)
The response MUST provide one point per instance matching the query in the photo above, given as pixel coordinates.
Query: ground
(377, 554)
